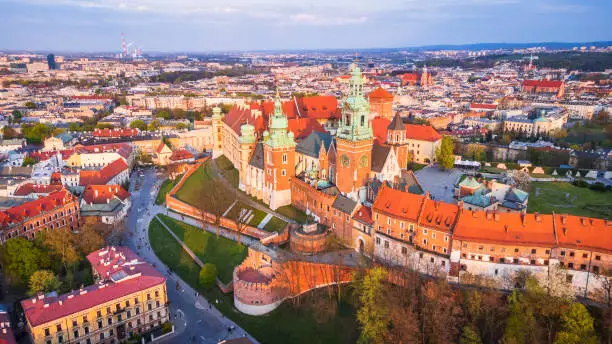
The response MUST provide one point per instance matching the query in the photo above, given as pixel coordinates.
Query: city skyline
(186, 25)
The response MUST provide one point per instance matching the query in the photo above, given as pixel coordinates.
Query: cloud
(318, 20)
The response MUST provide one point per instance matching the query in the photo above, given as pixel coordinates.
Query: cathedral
(270, 149)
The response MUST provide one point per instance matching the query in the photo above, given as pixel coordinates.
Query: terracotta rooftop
(380, 93)
(396, 203)
(122, 272)
(27, 210)
(31, 188)
(99, 194)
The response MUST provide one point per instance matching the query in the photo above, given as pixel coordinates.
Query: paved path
(244, 198)
(183, 245)
(195, 319)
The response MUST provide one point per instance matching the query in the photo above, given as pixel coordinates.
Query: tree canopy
(444, 153)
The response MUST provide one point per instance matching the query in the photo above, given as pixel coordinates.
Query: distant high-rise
(51, 61)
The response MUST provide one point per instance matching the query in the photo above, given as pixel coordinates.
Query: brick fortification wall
(176, 205)
(262, 284)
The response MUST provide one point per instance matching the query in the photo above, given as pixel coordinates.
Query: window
(377, 241)
(135, 300)
(148, 297)
(402, 224)
(585, 255)
(102, 336)
(74, 323)
(582, 266)
(533, 251)
(421, 255)
(156, 303)
(516, 250)
(59, 327)
(597, 257)
(47, 332)
(425, 242)
(109, 321)
(386, 244)
(563, 253)
(424, 231)
(433, 247)
(596, 269)
(99, 324)
(149, 306)
(76, 334)
(569, 278)
(433, 235)
(547, 251)
(110, 332)
(108, 310)
(502, 260)
(388, 220)
(85, 318)
(284, 158)
(411, 227)
(571, 253)
(60, 339)
(445, 250)
(137, 310)
(446, 238)
(129, 313)
(532, 262)
(283, 172)
(570, 265)
(404, 251)
(118, 307)
(515, 261)
(86, 330)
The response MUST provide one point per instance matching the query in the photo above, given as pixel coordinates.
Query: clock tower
(354, 140)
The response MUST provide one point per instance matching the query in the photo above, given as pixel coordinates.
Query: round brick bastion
(309, 238)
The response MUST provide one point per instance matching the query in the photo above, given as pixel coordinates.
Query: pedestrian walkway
(244, 198)
(183, 245)
(265, 221)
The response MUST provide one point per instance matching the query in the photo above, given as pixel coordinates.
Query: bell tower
(354, 139)
(279, 159)
(396, 138)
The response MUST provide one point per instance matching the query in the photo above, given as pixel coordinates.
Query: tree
(61, 244)
(30, 105)
(36, 133)
(522, 180)
(521, 325)
(28, 161)
(444, 153)
(469, 336)
(9, 133)
(576, 326)
(43, 281)
(20, 259)
(373, 315)
(89, 239)
(153, 126)
(181, 126)
(138, 124)
(163, 114)
(208, 275)
(241, 224)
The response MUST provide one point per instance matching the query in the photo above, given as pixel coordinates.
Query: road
(195, 320)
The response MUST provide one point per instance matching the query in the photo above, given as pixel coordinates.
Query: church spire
(354, 124)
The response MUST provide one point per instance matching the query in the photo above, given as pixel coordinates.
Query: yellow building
(129, 298)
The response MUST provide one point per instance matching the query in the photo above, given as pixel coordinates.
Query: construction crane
(123, 46)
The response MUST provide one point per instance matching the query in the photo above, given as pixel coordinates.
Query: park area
(565, 198)
(315, 317)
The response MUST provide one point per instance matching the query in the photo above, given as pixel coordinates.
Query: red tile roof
(316, 107)
(398, 204)
(105, 174)
(542, 83)
(364, 214)
(584, 233)
(483, 106)
(438, 215)
(19, 213)
(241, 115)
(302, 127)
(99, 194)
(379, 129)
(122, 270)
(505, 228)
(181, 154)
(380, 93)
(413, 131)
(422, 132)
(31, 188)
(43, 156)
(118, 132)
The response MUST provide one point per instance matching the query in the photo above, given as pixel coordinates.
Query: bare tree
(241, 224)
(211, 202)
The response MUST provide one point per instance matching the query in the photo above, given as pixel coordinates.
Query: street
(194, 319)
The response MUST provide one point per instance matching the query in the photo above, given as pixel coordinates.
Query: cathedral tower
(396, 138)
(279, 157)
(354, 140)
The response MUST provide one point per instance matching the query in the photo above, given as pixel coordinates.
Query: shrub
(598, 187)
(208, 275)
(167, 327)
(580, 183)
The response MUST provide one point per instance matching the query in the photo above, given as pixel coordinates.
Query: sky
(222, 25)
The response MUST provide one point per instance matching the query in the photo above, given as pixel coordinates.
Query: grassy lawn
(166, 186)
(416, 166)
(258, 215)
(222, 252)
(581, 201)
(172, 254)
(275, 225)
(196, 185)
(227, 170)
(316, 320)
(293, 213)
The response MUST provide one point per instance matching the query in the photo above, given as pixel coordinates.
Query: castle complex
(349, 172)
